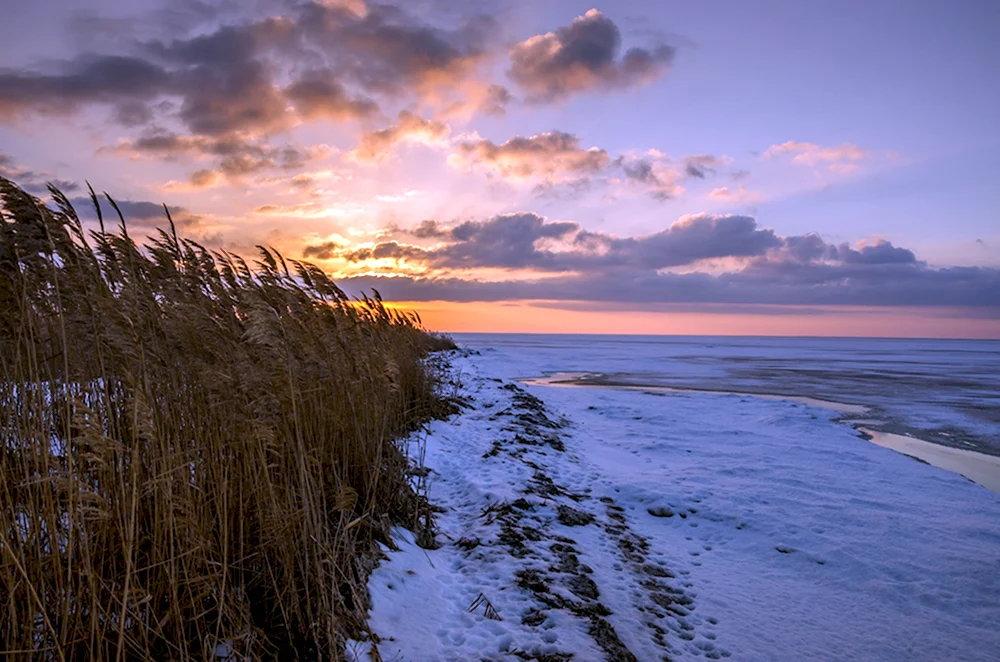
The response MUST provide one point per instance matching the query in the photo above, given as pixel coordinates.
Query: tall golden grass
(196, 455)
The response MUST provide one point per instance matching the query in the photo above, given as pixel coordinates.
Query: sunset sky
(659, 166)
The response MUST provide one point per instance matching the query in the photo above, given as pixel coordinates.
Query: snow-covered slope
(593, 524)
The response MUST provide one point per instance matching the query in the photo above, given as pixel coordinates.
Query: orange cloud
(310, 210)
(739, 194)
(199, 179)
(376, 146)
(357, 7)
(843, 158)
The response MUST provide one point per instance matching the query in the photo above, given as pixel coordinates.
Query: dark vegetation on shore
(194, 452)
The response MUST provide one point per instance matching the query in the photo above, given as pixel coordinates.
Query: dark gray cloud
(640, 171)
(32, 181)
(430, 229)
(225, 84)
(386, 50)
(523, 241)
(507, 241)
(254, 77)
(585, 266)
(659, 179)
(255, 158)
(661, 176)
(235, 155)
(556, 161)
(91, 29)
(388, 249)
(251, 72)
(141, 214)
(217, 85)
(497, 99)
(323, 251)
(812, 248)
(582, 56)
(89, 78)
(237, 73)
(550, 156)
(318, 94)
(686, 241)
(809, 247)
(64, 185)
(907, 286)
(881, 252)
(701, 166)
(132, 113)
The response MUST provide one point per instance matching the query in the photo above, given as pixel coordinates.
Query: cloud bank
(701, 258)
(580, 57)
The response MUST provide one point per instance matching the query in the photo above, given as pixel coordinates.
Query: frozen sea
(630, 522)
(944, 391)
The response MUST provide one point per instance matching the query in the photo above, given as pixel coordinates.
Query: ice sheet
(943, 391)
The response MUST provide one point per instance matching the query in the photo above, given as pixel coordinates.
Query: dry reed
(196, 454)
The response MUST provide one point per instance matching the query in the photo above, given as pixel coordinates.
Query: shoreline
(610, 525)
(980, 468)
(587, 379)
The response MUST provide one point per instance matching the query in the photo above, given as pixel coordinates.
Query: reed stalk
(196, 454)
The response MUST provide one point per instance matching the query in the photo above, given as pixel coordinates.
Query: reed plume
(196, 453)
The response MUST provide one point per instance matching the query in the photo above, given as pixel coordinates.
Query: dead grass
(194, 451)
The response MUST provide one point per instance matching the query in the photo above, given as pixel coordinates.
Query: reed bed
(196, 455)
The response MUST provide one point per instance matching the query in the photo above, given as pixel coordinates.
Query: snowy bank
(593, 524)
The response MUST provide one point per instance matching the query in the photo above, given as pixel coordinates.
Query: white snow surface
(724, 527)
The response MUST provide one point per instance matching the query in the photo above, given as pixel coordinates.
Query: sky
(661, 166)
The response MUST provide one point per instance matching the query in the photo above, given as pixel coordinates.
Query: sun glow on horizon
(830, 321)
(546, 158)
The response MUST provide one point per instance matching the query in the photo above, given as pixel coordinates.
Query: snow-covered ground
(597, 523)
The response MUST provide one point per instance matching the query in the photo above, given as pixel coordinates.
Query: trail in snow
(608, 525)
